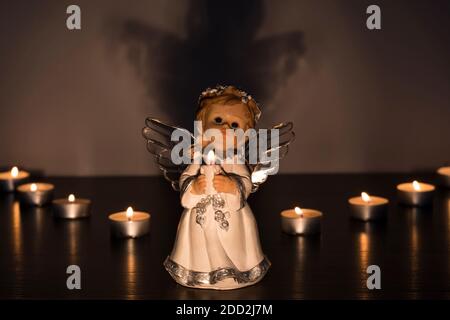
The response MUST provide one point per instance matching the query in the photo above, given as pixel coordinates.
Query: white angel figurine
(217, 244)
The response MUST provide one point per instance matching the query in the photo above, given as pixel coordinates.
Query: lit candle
(368, 207)
(36, 194)
(209, 170)
(9, 180)
(129, 223)
(444, 176)
(71, 208)
(415, 193)
(301, 221)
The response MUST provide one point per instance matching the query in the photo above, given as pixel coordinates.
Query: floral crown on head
(221, 90)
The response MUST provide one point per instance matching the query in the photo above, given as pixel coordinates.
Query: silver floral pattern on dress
(217, 203)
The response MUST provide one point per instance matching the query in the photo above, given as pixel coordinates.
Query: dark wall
(74, 102)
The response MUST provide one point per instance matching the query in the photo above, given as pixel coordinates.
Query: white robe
(217, 253)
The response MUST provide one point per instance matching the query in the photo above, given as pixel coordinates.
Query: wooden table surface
(412, 247)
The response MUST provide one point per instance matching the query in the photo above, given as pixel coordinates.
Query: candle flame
(33, 187)
(365, 196)
(211, 157)
(130, 213)
(416, 185)
(298, 211)
(71, 198)
(14, 172)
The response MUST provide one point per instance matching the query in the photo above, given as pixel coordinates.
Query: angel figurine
(217, 244)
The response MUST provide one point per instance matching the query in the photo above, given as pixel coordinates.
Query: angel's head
(227, 108)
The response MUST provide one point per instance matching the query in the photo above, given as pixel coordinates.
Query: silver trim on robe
(195, 278)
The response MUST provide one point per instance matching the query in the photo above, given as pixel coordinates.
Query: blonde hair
(228, 95)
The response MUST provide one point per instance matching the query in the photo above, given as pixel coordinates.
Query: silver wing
(265, 163)
(159, 143)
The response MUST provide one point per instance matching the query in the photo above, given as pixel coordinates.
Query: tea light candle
(9, 180)
(368, 207)
(415, 193)
(36, 194)
(71, 208)
(444, 176)
(301, 221)
(130, 223)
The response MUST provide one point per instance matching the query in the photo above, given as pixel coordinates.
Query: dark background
(74, 102)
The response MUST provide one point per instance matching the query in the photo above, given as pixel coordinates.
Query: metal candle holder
(71, 208)
(125, 225)
(409, 194)
(301, 221)
(35, 194)
(368, 208)
(9, 180)
(444, 176)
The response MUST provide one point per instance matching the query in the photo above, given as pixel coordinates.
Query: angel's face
(223, 117)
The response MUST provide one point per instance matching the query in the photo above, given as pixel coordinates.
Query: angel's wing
(159, 143)
(268, 160)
